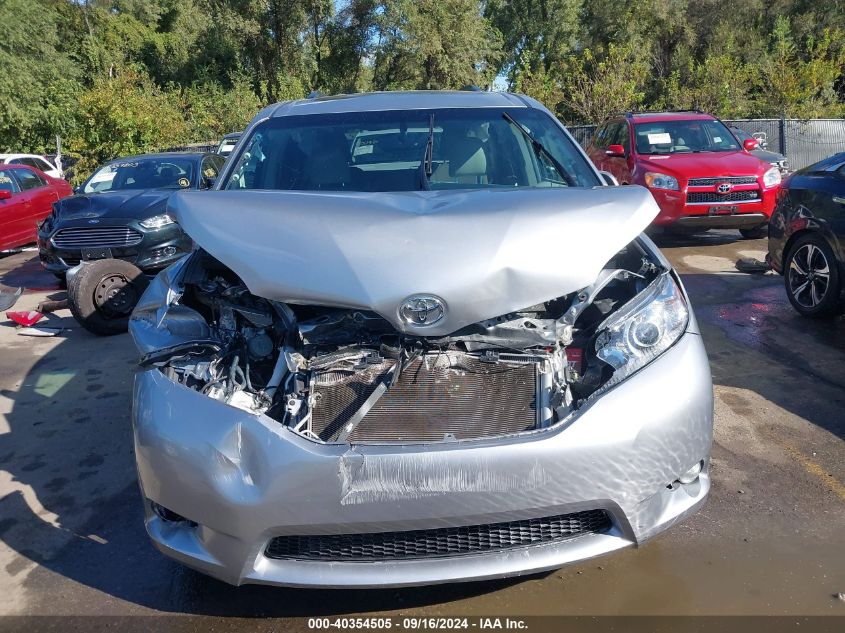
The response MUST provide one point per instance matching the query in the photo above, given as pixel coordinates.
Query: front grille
(453, 541)
(437, 397)
(97, 237)
(718, 198)
(734, 180)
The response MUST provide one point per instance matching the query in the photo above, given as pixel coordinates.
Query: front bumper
(157, 250)
(676, 211)
(243, 479)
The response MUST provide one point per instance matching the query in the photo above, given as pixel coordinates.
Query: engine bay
(339, 375)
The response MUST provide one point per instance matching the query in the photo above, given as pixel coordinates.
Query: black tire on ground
(103, 293)
(756, 233)
(811, 276)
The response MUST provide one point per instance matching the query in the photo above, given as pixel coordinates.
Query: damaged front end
(345, 375)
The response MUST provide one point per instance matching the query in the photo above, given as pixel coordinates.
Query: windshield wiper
(538, 147)
(426, 164)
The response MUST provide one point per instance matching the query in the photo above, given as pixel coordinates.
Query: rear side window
(8, 182)
(29, 179)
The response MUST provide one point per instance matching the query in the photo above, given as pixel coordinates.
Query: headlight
(656, 180)
(157, 221)
(642, 329)
(771, 177)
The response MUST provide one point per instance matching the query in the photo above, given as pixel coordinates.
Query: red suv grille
(716, 198)
(734, 180)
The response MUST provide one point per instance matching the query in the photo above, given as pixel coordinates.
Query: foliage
(124, 115)
(121, 76)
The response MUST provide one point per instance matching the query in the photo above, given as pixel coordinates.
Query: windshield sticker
(209, 173)
(184, 182)
(717, 139)
(662, 138)
(363, 149)
(103, 177)
(125, 165)
(5, 180)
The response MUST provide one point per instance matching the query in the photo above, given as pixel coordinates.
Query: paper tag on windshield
(663, 138)
(717, 139)
(363, 149)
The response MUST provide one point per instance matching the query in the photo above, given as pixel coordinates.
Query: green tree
(536, 34)
(598, 83)
(427, 44)
(802, 85)
(38, 86)
(123, 115)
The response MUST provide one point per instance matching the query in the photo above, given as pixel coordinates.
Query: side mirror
(615, 151)
(609, 179)
(5, 194)
(750, 144)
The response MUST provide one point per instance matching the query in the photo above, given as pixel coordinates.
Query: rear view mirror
(5, 194)
(615, 151)
(750, 144)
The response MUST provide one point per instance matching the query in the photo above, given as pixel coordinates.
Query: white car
(33, 160)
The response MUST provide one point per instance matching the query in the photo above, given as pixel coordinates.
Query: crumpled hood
(136, 204)
(485, 253)
(706, 164)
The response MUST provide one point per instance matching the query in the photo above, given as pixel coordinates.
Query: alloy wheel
(809, 276)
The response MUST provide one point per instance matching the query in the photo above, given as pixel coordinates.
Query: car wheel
(811, 276)
(103, 294)
(756, 233)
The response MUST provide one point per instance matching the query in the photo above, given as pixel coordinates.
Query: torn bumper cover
(247, 500)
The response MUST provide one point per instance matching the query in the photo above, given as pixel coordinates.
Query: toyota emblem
(422, 310)
(724, 187)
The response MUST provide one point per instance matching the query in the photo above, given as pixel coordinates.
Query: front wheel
(103, 294)
(811, 277)
(756, 233)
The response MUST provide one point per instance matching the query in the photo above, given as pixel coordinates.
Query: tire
(758, 232)
(811, 277)
(103, 293)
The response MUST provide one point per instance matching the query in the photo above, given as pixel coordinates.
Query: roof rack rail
(631, 113)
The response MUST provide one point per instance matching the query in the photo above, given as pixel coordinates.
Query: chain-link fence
(802, 142)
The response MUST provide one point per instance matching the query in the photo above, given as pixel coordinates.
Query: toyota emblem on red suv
(724, 187)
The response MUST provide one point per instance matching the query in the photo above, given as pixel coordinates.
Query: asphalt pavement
(771, 539)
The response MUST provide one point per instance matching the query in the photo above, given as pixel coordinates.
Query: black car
(120, 213)
(763, 152)
(807, 237)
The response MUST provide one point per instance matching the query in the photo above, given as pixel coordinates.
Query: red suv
(700, 174)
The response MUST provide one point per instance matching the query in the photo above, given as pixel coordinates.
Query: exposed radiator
(437, 397)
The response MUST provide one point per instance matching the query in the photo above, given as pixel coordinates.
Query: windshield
(682, 137)
(142, 173)
(388, 151)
